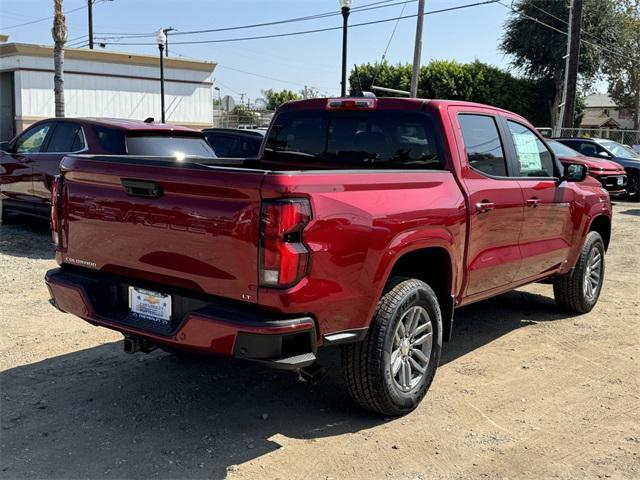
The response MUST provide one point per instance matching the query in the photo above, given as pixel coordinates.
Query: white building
(101, 83)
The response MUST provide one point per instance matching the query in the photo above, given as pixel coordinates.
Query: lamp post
(219, 106)
(161, 38)
(346, 8)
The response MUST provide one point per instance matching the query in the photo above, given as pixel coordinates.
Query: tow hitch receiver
(137, 344)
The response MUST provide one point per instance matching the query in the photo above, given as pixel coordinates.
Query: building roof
(599, 100)
(8, 49)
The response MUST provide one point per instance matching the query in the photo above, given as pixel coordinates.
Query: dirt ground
(524, 391)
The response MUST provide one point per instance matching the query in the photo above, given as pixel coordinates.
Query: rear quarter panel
(363, 222)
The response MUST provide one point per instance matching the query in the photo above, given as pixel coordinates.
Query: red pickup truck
(363, 223)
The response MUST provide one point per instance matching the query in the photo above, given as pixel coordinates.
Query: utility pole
(90, 12)
(568, 105)
(417, 50)
(59, 33)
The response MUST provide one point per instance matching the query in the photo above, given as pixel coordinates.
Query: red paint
(203, 234)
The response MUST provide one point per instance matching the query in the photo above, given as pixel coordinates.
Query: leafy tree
(274, 98)
(538, 51)
(245, 114)
(475, 82)
(623, 68)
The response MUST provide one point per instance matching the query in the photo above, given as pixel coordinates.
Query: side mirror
(603, 154)
(575, 172)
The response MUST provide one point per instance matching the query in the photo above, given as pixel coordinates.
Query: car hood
(627, 162)
(594, 164)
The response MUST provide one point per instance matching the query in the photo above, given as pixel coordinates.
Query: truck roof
(389, 103)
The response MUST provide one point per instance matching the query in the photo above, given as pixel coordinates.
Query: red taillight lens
(283, 255)
(56, 194)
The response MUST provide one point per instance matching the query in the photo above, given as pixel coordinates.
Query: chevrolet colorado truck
(364, 223)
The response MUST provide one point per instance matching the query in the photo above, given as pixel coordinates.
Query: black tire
(4, 214)
(367, 364)
(570, 290)
(633, 186)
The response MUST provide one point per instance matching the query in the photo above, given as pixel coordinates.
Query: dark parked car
(235, 142)
(609, 173)
(610, 150)
(30, 161)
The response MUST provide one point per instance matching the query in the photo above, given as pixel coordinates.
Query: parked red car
(364, 223)
(30, 161)
(610, 174)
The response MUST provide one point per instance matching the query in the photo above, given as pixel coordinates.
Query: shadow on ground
(26, 237)
(99, 413)
(631, 211)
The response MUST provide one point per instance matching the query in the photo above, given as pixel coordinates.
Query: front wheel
(391, 370)
(633, 187)
(579, 289)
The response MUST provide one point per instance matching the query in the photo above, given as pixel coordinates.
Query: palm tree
(59, 32)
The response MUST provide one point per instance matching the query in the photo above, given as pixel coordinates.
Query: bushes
(474, 82)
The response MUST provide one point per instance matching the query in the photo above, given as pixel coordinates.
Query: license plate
(151, 305)
(619, 180)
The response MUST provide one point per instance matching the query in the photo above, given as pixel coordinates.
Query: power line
(384, 54)
(318, 30)
(42, 19)
(371, 6)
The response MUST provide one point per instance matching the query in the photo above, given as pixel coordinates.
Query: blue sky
(290, 62)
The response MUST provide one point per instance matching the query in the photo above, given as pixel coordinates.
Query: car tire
(578, 290)
(633, 187)
(390, 371)
(4, 214)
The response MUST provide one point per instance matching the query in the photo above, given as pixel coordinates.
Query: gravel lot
(524, 391)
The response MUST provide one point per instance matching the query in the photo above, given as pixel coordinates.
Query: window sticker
(528, 153)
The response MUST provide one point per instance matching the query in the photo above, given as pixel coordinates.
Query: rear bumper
(201, 324)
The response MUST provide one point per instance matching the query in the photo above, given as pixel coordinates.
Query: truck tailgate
(189, 226)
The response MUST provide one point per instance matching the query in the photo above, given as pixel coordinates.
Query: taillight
(283, 256)
(56, 204)
(352, 104)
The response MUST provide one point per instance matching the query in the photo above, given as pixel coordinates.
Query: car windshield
(371, 139)
(619, 150)
(168, 146)
(562, 150)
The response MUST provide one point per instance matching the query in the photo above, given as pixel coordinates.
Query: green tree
(274, 98)
(245, 114)
(474, 82)
(538, 50)
(623, 67)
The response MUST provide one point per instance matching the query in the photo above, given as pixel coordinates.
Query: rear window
(378, 139)
(168, 146)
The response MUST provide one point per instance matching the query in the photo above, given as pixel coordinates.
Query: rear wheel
(579, 290)
(3, 213)
(391, 370)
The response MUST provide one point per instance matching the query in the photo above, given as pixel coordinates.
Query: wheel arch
(602, 225)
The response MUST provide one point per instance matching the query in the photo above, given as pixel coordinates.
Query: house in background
(101, 84)
(602, 112)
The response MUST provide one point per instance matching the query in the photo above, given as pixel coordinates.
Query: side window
(67, 137)
(32, 140)
(483, 145)
(222, 144)
(534, 159)
(589, 149)
(111, 140)
(246, 148)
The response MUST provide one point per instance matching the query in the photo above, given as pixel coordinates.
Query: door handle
(485, 206)
(533, 202)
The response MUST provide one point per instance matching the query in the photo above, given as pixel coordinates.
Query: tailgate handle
(139, 188)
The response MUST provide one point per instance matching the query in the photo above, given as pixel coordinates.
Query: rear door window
(482, 143)
(67, 137)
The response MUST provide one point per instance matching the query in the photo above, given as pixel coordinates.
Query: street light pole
(162, 40)
(346, 8)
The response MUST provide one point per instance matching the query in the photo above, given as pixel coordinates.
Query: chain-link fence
(626, 137)
(248, 119)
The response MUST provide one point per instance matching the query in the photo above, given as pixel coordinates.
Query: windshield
(619, 150)
(562, 150)
(348, 139)
(166, 146)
